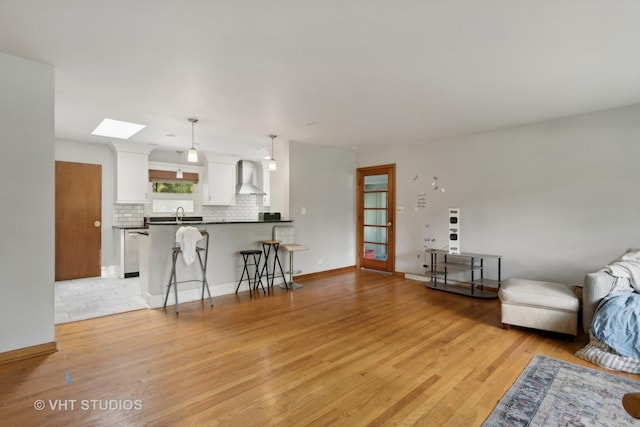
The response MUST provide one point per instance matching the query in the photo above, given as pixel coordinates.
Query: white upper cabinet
(219, 189)
(132, 172)
(133, 178)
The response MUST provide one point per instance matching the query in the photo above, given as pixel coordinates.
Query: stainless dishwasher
(132, 252)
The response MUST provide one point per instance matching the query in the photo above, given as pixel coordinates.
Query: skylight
(117, 129)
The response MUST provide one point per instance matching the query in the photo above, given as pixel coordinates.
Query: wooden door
(78, 220)
(376, 215)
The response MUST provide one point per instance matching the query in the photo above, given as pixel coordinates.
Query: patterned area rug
(550, 392)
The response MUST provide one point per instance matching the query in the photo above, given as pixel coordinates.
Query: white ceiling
(350, 73)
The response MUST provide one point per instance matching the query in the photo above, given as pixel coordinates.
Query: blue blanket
(616, 323)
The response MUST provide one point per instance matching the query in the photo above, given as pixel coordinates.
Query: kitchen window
(168, 193)
(173, 187)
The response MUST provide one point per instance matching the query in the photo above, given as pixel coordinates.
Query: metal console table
(471, 266)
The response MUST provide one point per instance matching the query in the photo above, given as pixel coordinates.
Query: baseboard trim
(28, 352)
(386, 273)
(322, 273)
(419, 277)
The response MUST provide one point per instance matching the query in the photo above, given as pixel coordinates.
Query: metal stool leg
(175, 291)
(245, 269)
(266, 249)
(293, 284)
(204, 267)
(173, 281)
(289, 284)
(256, 273)
(256, 281)
(173, 278)
(291, 269)
(276, 259)
(166, 298)
(204, 279)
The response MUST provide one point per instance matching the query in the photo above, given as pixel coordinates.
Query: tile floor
(81, 299)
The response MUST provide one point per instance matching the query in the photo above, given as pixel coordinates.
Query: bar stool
(267, 246)
(257, 278)
(173, 279)
(287, 236)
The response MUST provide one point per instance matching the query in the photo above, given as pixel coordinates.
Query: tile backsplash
(128, 215)
(245, 209)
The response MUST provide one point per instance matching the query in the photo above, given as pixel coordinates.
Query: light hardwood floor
(349, 348)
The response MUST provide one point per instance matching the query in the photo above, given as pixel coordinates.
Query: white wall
(27, 173)
(279, 180)
(322, 180)
(557, 199)
(97, 154)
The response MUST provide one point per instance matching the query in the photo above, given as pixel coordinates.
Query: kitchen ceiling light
(192, 156)
(117, 129)
(179, 174)
(272, 161)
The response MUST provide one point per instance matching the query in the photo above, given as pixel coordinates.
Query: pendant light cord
(272, 161)
(193, 141)
(193, 153)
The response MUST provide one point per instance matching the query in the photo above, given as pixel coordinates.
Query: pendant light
(192, 156)
(272, 161)
(179, 174)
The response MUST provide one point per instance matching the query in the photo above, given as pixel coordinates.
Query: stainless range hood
(247, 178)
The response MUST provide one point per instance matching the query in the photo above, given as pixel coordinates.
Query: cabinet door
(133, 177)
(221, 188)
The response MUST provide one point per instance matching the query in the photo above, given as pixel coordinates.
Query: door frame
(390, 264)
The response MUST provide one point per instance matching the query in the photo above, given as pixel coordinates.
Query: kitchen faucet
(178, 218)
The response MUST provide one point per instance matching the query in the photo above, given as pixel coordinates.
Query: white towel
(186, 238)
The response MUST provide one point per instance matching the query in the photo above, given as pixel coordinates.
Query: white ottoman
(539, 305)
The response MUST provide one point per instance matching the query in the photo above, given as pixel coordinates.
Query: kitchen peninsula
(224, 264)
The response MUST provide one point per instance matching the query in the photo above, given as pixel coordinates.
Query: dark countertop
(218, 222)
(197, 222)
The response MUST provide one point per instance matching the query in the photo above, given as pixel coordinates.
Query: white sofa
(596, 286)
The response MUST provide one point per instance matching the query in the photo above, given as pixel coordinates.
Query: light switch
(400, 209)
(303, 210)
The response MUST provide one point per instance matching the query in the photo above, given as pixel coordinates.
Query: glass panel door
(375, 214)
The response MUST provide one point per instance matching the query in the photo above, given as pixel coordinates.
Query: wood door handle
(97, 224)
